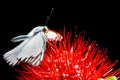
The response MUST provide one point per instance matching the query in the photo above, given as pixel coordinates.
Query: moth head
(45, 29)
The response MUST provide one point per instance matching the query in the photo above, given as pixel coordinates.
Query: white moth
(32, 49)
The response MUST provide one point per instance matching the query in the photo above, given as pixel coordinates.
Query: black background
(101, 25)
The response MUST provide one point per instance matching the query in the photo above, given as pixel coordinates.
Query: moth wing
(11, 55)
(33, 51)
(30, 51)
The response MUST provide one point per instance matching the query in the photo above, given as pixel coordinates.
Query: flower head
(72, 58)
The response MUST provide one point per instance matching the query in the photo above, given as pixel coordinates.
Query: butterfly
(32, 48)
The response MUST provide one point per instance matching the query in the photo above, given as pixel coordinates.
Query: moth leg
(20, 38)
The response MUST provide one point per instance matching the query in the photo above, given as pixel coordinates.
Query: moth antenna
(48, 17)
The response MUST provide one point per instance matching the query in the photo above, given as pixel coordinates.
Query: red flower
(74, 58)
